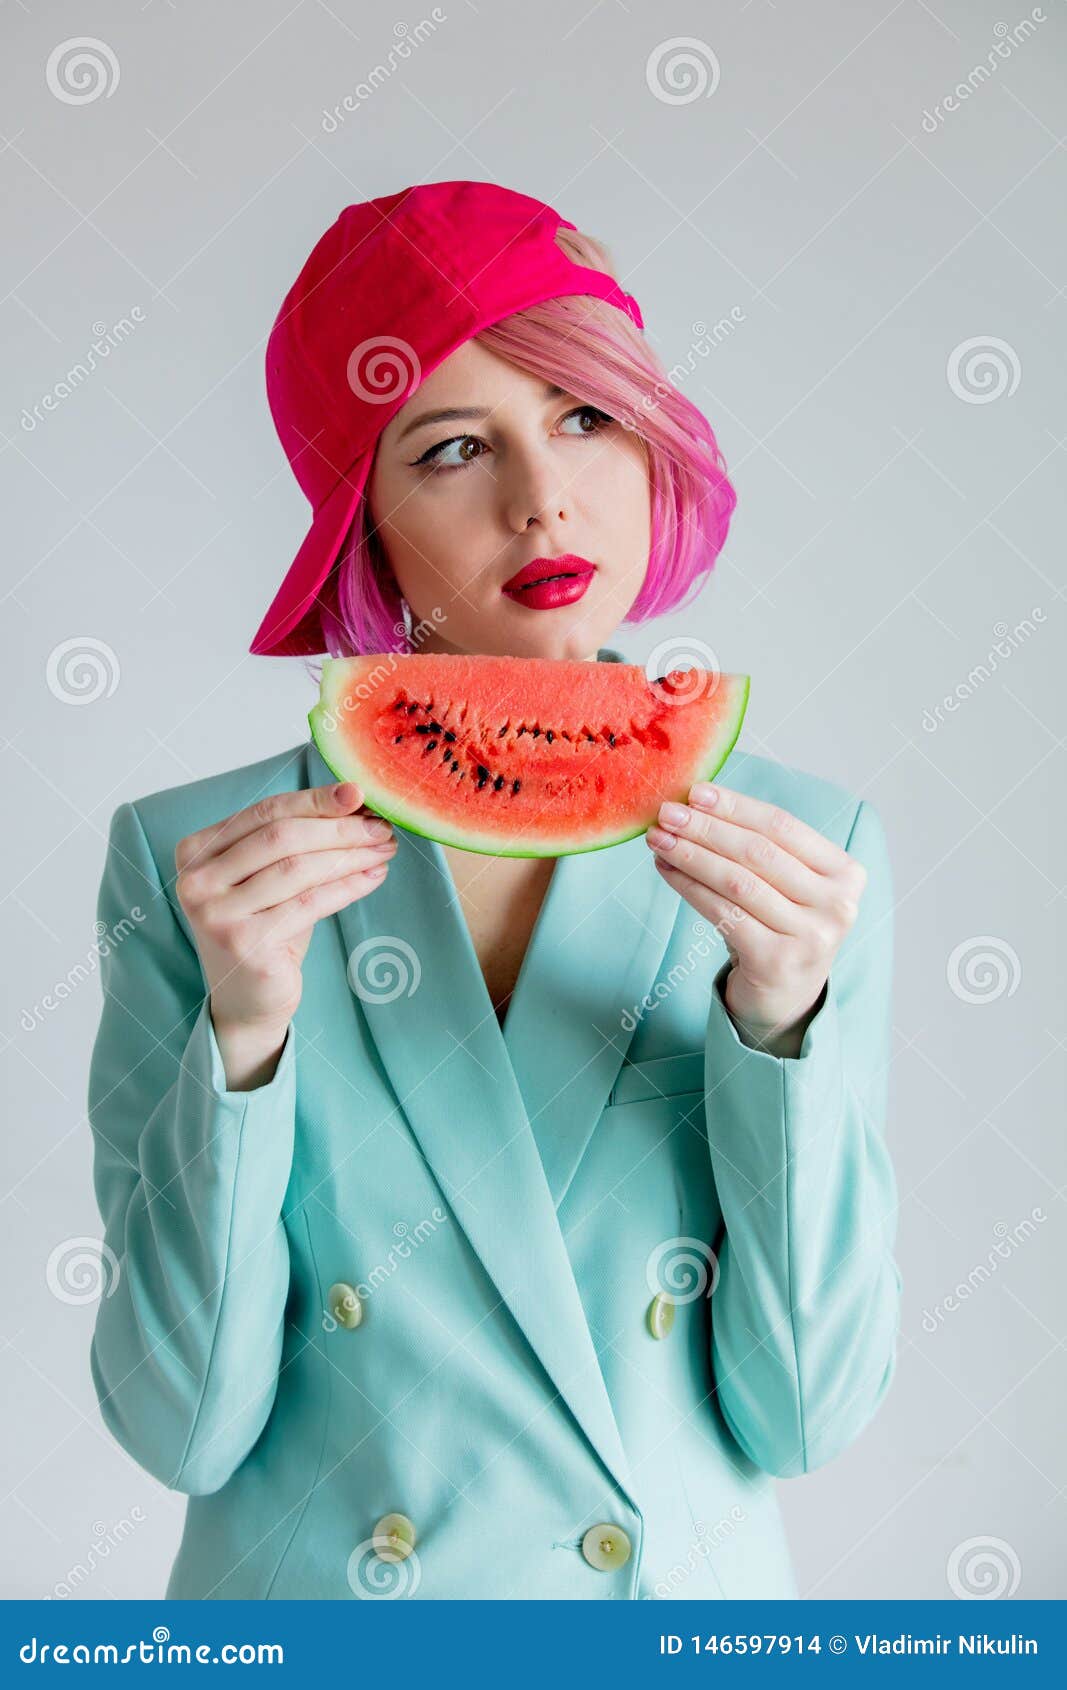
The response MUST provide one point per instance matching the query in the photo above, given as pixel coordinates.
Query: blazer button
(660, 1314)
(345, 1304)
(606, 1546)
(394, 1537)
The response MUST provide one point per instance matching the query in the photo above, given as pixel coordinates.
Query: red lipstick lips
(548, 582)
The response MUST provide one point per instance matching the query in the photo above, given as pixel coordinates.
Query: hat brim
(291, 626)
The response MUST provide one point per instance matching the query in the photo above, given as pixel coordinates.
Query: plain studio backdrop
(844, 224)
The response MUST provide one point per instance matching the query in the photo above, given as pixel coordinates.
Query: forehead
(472, 375)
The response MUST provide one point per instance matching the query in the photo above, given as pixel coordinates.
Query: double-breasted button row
(606, 1546)
(346, 1305)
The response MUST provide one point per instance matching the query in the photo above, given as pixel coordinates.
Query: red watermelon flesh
(522, 756)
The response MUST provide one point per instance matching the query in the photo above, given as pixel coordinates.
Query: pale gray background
(891, 521)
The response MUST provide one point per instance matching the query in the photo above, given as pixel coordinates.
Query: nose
(535, 490)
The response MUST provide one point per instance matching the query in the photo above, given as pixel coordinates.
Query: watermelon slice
(522, 756)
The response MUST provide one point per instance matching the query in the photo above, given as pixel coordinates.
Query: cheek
(618, 490)
(429, 521)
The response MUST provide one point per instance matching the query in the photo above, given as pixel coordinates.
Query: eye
(601, 418)
(434, 460)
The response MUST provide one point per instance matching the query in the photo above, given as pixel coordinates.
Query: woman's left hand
(781, 894)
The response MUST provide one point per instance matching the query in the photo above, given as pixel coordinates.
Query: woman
(411, 1296)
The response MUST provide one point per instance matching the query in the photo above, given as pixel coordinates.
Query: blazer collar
(504, 1117)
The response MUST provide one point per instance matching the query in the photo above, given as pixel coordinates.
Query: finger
(731, 881)
(287, 878)
(740, 930)
(208, 842)
(299, 913)
(753, 850)
(290, 838)
(787, 830)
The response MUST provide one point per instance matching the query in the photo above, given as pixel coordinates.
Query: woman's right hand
(254, 885)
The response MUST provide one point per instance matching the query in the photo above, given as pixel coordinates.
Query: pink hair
(593, 351)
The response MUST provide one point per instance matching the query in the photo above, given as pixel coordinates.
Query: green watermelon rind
(378, 799)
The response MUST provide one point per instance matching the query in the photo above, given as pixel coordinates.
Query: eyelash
(427, 459)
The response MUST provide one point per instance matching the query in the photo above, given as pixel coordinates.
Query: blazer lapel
(414, 972)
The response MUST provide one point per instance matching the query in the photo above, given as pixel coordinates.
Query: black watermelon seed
(482, 770)
(521, 731)
(397, 738)
(431, 745)
(435, 727)
(611, 739)
(422, 727)
(588, 736)
(535, 732)
(412, 708)
(502, 731)
(550, 736)
(498, 783)
(515, 785)
(449, 735)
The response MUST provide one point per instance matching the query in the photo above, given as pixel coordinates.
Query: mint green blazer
(501, 1208)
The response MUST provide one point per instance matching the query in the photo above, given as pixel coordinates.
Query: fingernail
(675, 815)
(345, 792)
(702, 793)
(377, 872)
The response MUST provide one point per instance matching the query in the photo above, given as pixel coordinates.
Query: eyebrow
(455, 414)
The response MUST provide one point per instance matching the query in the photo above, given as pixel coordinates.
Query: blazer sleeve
(805, 1312)
(190, 1180)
